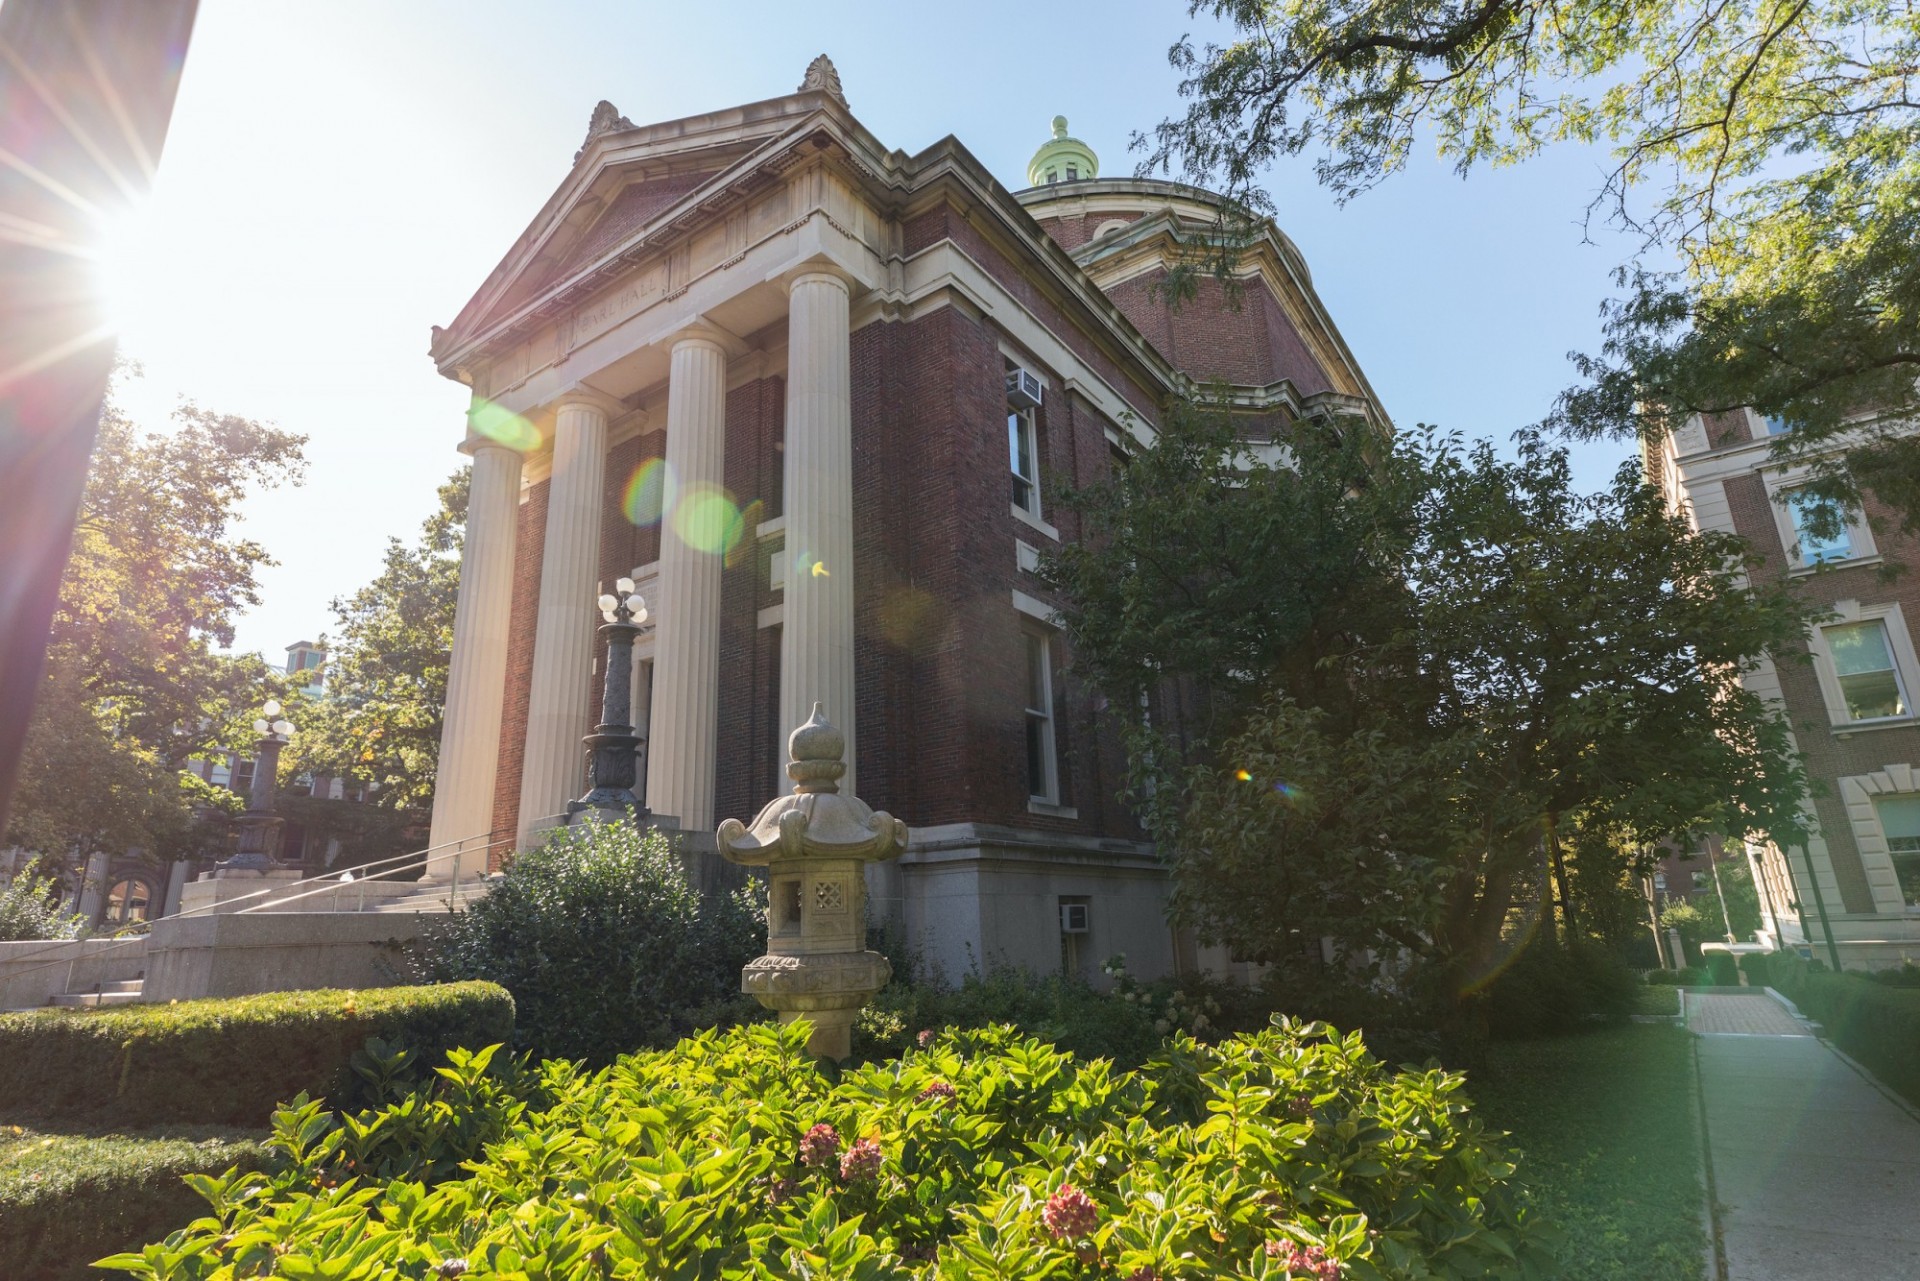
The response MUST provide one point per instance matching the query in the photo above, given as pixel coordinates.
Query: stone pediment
(626, 178)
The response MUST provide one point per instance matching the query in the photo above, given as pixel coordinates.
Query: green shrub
(65, 1199)
(29, 909)
(606, 945)
(1659, 1000)
(227, 1061)
(1877, 1023)
(1685, 976)
(1754, 966)
(985, 1155)
(1906, 975)
(1724, 971)
(1550, 990)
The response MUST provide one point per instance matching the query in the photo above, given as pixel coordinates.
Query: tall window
(127, 901)
(1807, 513)
(1043, 768)
(1776, 424)
(1863, 662)
(1900, 820)
(1023, 455)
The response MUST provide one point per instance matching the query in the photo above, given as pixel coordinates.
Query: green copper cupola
(1062, 158)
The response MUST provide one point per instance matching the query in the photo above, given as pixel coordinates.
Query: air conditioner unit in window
(1073, 918)
(1024, 389)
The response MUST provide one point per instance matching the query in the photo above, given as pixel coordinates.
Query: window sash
(1043, 768)
(1814, 549)
(1020, 451)
(1863, 665)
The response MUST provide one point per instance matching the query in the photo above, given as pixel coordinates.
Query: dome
(1062, 158)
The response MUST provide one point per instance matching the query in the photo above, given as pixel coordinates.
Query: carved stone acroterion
(606, 118)
(814, 843)
(821, 77)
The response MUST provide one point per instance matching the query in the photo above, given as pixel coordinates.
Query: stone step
(93, 1000)
(124, 985)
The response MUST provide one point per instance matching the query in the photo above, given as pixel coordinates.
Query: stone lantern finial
(814, 842)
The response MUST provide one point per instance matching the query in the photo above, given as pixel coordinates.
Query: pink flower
(925, 1038)
(1070, 1213)
(938, 1090)
(1309, 1261)
(819, 1146)
(862, 1161)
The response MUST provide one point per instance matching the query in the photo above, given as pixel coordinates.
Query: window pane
(1776, 425)
(1036, 756)
(1858, 648)
(1900, 820)
(1037, 675)
(1813, 548)
(1907, 868)
(1872, 695)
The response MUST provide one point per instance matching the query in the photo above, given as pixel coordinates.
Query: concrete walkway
(1815, 1169)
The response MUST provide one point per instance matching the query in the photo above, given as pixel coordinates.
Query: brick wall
(1828, 756)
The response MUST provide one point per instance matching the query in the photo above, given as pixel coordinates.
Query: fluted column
(816, 636)
(477, 669)
(685, 722)
(558, 715)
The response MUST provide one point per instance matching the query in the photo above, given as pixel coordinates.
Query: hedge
(227, 1061)
(1877, 1023)
(68, 1199)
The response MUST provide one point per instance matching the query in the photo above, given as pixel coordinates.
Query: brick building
(1850, 704)
(810, 393)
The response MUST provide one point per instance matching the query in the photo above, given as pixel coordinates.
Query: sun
(127, 267)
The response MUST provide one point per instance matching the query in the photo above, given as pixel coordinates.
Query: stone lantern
(814, 844)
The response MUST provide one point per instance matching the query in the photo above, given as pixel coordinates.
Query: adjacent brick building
(810, 394)
(1848, 695)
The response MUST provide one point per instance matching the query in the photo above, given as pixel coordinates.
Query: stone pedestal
(815, 844)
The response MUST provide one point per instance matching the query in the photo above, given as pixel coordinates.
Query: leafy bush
(1550, 990)
(1657, 1000)
(1754, 966)
(1906, 975)
(227, 1061)
(1722, 968)
(29, 910)
(1877, 1023)
(65, 1199)
(606, 945)
(983, 1155)
(1685, 976)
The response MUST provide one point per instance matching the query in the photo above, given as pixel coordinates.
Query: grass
(67, 1198)
(1656, 999)
(1609, 1148)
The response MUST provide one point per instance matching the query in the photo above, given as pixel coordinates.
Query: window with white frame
(1863, 664)
(1822, 532)
(1900, 820)
(1023, 452)
(1043, 765)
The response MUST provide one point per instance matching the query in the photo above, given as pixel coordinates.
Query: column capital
(581, 394)
(821, 271)
(703, 332)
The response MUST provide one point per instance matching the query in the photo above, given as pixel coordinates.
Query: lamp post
(259, 825)
(613, 747)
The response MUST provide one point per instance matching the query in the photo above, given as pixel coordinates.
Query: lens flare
(500, 424)
(645, 496)
(742, 549)
(1243, 776)
(707, 520)
(1288, 792)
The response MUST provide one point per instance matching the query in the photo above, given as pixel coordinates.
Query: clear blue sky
(342, 176)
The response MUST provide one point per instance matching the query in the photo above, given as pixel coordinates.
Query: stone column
(684, 728)
(477, 670)
(558, 714)
(816, 635)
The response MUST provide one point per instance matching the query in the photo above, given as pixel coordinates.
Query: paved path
(1816, 1171)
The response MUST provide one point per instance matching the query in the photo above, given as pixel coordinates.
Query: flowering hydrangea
(938, 1090)
(925, 1038)
(819, 1146)
(1070, 1213)
(862, 1161)
(1304, 1261)
(781, 1190)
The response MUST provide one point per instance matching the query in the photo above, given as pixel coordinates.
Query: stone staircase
(122, 992)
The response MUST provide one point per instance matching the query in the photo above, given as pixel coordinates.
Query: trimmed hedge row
(228, 1061)
(1877, 1023)
(67, 1199)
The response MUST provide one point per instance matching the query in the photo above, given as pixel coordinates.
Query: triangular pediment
(624, 180)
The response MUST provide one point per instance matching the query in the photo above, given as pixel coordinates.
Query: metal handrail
(416, 858)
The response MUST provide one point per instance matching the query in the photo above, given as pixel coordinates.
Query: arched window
(130, 899)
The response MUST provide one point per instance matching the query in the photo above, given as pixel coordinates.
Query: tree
(1775, 143)
(135, 685)
(386, 687)
(1371, 690)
